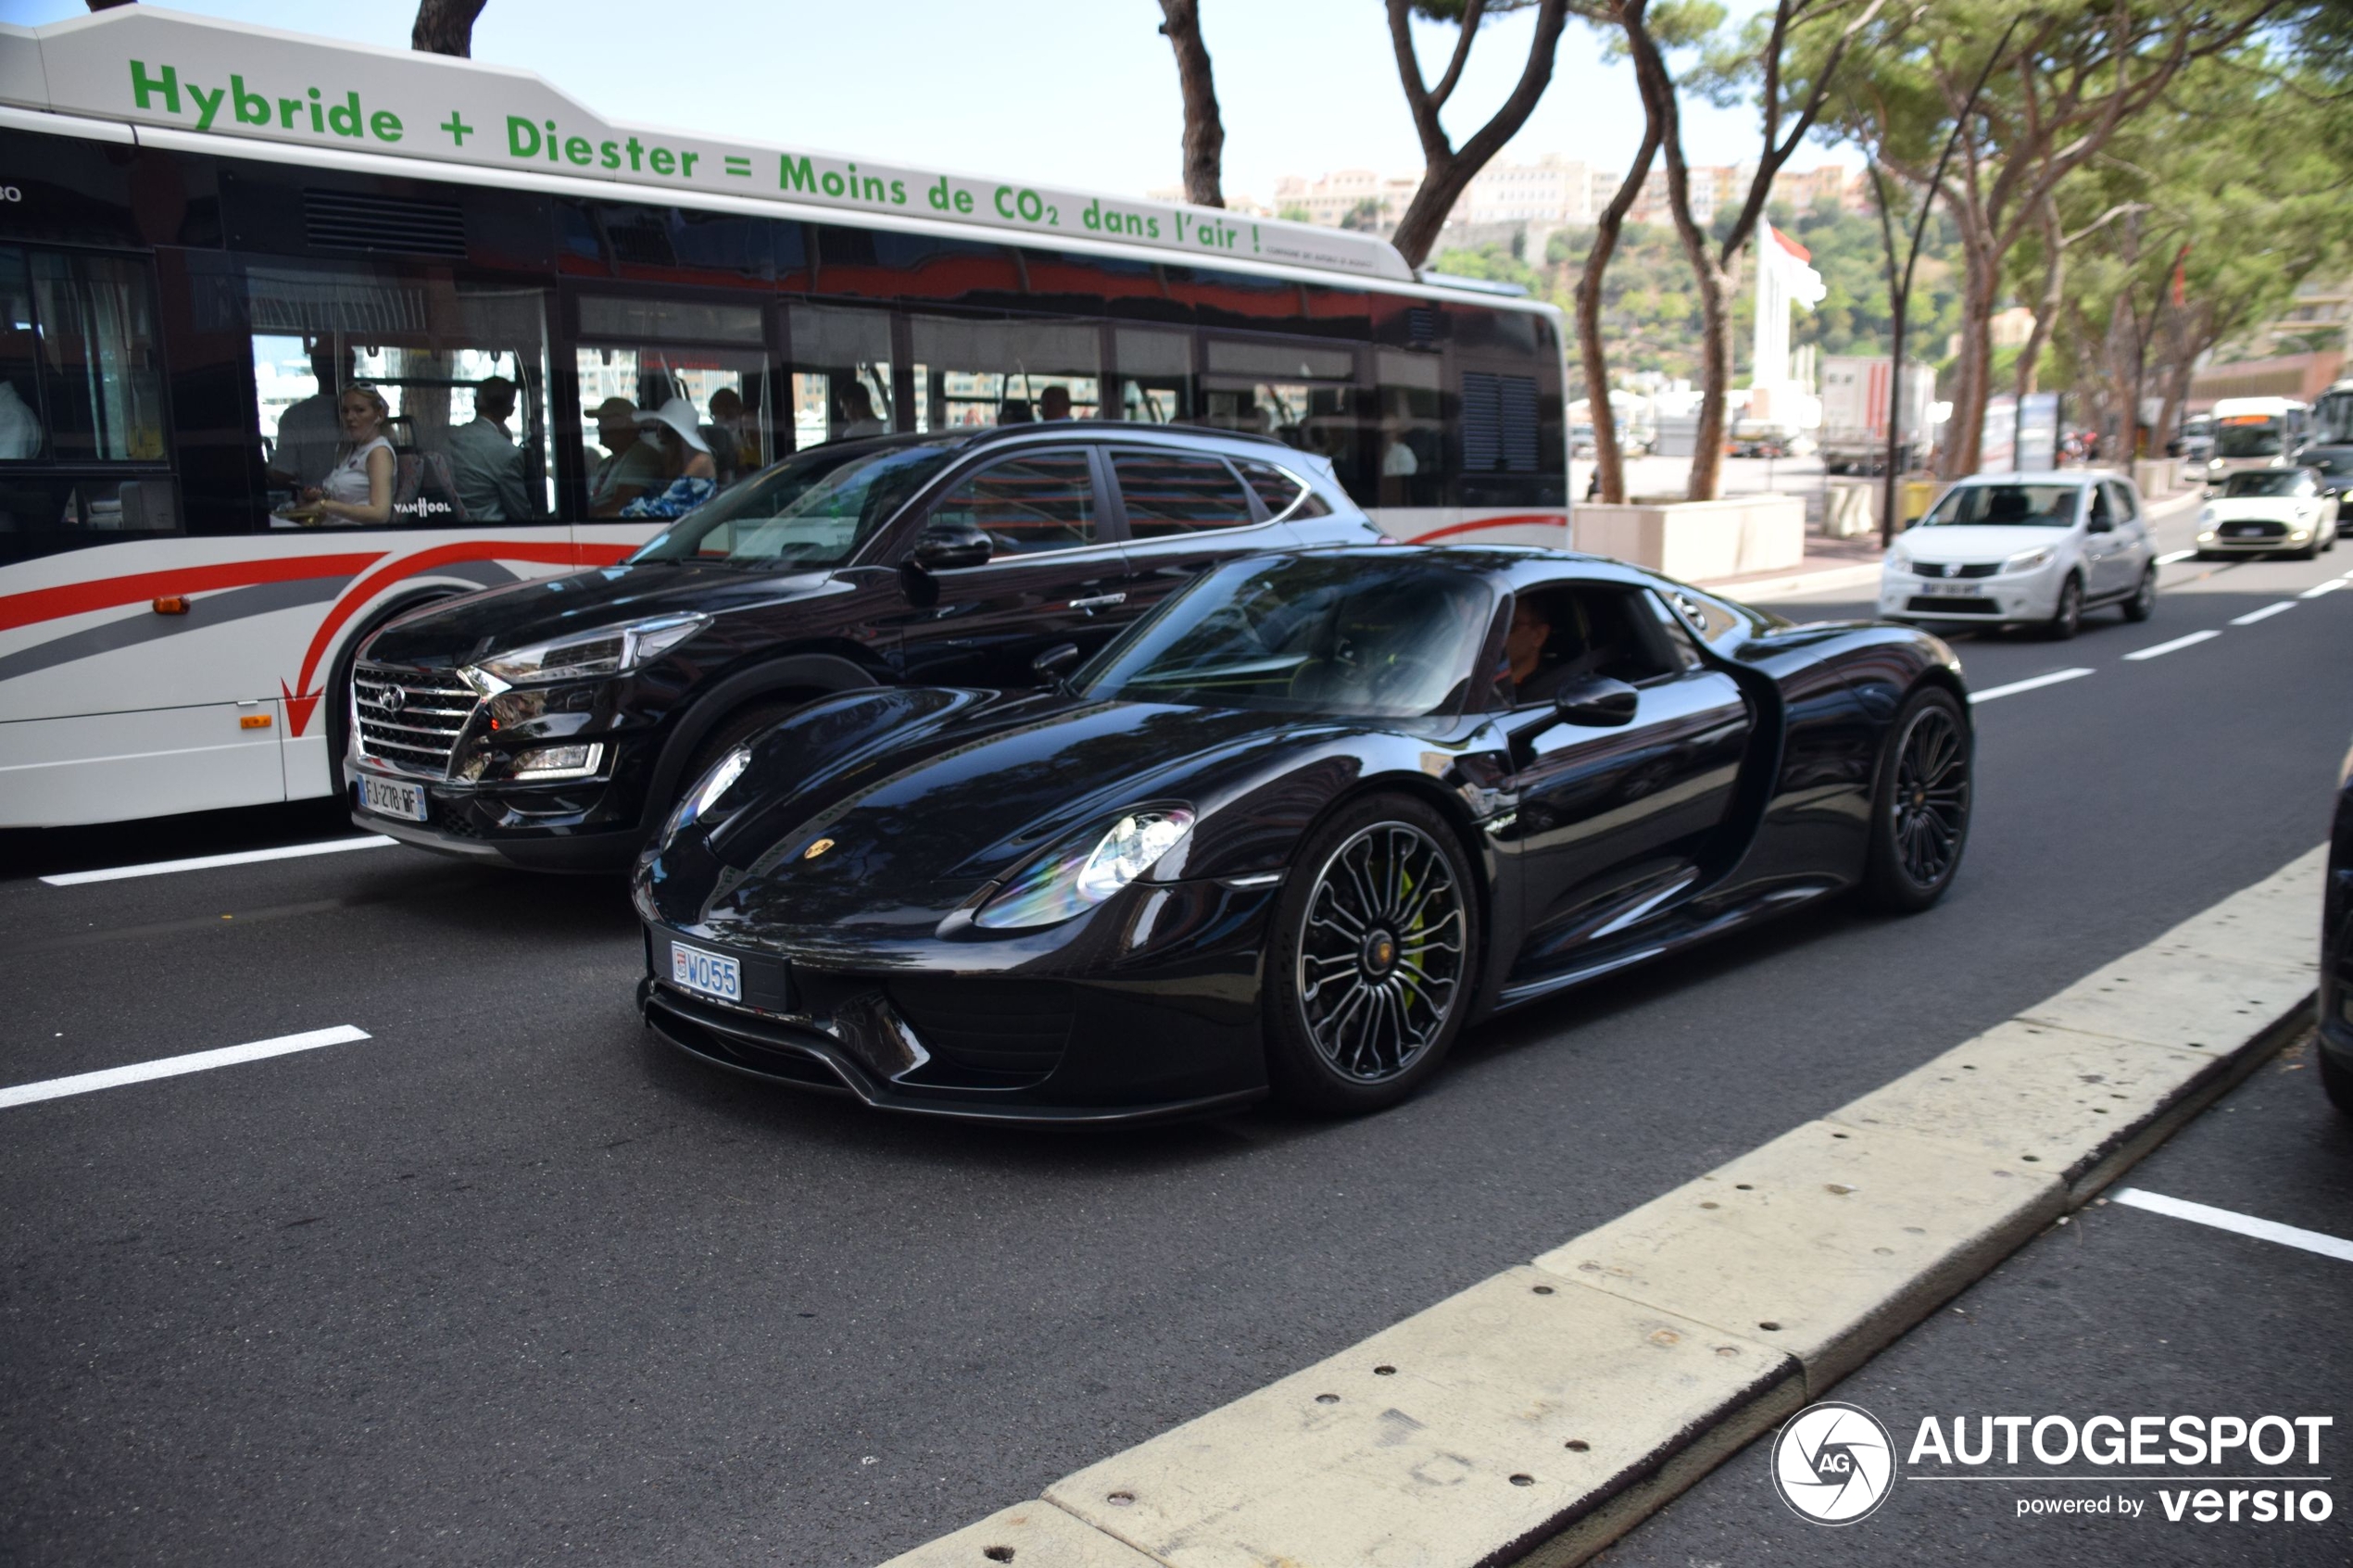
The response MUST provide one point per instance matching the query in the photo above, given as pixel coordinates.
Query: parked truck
(1855, 404)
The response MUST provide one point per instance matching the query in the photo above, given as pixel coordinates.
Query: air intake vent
(1499, 423)
(350, 221)
(1421, 326)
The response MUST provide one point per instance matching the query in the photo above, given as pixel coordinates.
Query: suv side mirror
(1051, 666)
(946, 547)
(1596, 701)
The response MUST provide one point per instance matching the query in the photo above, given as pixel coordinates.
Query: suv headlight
(609, 651)
(1054, 887)
(2027, 560)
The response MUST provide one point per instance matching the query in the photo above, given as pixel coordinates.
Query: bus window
(462, 370)
(1155, 375)
(841, 374)
(79, 381)
(1302, 394)
(1413, 430)
(637, 357)
(972, 373)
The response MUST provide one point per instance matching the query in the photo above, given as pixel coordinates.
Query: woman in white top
(358, 488)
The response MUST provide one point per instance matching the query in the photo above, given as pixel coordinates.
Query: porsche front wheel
(1921, 803)
(1374, 961)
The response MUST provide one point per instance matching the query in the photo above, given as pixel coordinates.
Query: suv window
(1037, 501)
(1180, 493)
(1279, 491)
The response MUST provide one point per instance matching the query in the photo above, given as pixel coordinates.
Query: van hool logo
(1833, 1464)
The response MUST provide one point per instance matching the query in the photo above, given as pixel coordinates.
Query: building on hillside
(1247, 207)
(1551, 192)
(1330, 199)
(2301, 376)
(2319, 305)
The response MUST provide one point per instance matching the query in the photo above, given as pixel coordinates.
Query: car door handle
(1098, 601)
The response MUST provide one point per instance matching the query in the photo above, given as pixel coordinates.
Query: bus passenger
(358, 488)
(690, 475)
(857, 413)
(487, 467)
(630, 467)
(310, 432)
(1053, 404)
(734, 446)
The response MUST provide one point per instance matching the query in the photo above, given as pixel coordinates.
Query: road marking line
(174, 1066)
(2244, 1224)
(206, 862)
(2252, 615)
(2053, 679)
(2171, 556)
(2191, 641)
(2331, 586)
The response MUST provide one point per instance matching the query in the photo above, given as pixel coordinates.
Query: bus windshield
(2333, 421)
(813, 510)
(2253, 439)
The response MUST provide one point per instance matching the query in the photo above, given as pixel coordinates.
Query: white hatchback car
(2262, 510)
(2016, 549)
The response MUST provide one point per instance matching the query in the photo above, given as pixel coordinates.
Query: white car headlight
(1055, 888)
(2027, 560)
(2206, 515)
(1899, 559)
(609, 651)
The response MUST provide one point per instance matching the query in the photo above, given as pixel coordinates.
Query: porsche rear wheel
(1920, 804)
(1373, 959)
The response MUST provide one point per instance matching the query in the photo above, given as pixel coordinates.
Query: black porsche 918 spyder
(1292, 832)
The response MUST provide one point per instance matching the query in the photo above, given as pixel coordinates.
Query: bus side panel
(1544, 527)
(111, 767)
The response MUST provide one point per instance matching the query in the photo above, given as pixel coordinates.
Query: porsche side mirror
(1051, 666)
(948, 547)
(1596, 701)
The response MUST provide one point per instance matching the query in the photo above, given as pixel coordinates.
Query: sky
(1077, 93)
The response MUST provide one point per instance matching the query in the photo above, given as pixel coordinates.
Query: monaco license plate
(712, 975)
(388, 797)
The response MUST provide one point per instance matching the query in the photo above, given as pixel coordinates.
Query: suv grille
(410, 718)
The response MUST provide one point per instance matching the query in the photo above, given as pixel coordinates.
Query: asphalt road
(508, 1282)
(2123, 1311)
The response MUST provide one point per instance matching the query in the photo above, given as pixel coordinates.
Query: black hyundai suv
(552, 724)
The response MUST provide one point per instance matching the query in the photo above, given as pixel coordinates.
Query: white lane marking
(2331, 586)
(206, 862)
(172, 1066)
(2191, 641)
(2171, 556)
(2226, 1219)
(2053, 679)
(2252, 615)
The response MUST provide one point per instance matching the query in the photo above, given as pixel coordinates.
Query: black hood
(928, 793)
(457, 631)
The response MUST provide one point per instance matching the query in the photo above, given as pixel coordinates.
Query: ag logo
(1833, 1464)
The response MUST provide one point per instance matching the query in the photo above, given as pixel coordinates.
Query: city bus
(2255, 433)
(218, 241)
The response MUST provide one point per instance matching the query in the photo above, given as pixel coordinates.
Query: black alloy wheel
(2142, 604)
(2067, 619)
(1374, 958)
(1921, 809)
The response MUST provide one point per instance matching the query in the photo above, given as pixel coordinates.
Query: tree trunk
(445, 26)
(1204, 131)
(1608, 457)
(1964, 435)
(1717, 287)
(1446, 172)
(2046, 311)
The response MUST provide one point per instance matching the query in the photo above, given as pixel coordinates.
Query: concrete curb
(1540, 1414)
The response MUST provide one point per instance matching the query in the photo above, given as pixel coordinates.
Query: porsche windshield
(811, 511)
(1341, 636)
(2023, 506)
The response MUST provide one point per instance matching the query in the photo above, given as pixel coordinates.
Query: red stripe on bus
(1517, 520)
(367, 588)
(106, 593)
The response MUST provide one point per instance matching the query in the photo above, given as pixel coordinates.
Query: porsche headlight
(1055, 888)
(609, 651)
(705, 794)
(2027, 560)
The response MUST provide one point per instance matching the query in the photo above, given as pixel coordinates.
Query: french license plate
(2245, 531)
(390, 798)
(714, 974)
(1950, 590)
